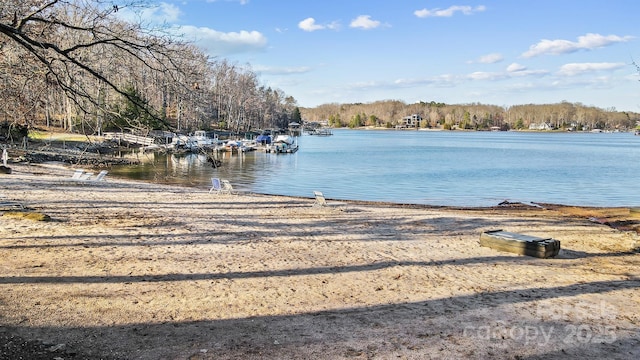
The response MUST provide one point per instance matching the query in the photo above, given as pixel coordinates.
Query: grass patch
(55, 136)
(35, 216)
(595, 212)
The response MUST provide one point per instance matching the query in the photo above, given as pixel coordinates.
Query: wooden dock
(129, 138)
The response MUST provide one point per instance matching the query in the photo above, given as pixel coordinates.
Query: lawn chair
(77, 175)
(320, 200)
(81, 175)
(6, 204)
(101, 175)
(226, 187)
(216, 186)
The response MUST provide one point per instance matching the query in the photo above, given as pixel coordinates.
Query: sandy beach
(131, 270)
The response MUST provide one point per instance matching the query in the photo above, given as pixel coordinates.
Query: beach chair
(216, 186)
(320, 200)
(6, 204)
(101, 175)
(81, 175)
(226, 187)
(77, 175)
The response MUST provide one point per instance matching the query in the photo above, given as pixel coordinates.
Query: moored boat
(321, 132)
(198, 140)
(264, 138)
(282, 144)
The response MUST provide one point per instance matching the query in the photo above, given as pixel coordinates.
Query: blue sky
(494, 52)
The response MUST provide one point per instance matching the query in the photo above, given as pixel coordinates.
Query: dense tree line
(77, 65)
(475, 116)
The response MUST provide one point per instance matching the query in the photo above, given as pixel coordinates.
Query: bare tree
(72, 45)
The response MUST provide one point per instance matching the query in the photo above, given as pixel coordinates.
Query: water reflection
(437, 168)
(193, 169)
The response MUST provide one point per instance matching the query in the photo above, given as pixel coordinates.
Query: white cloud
(512, 71)
(161, 13)
(450, 11)
(333, 25)
(581, 68)
(364, 22)
(585, 42)
(221, 43)
(515, 67)
(516, 70)
(309, 24)
(443, 80)
(490, 58)
(482, 75)
(169, 12)
(364, 85)
(412, 82)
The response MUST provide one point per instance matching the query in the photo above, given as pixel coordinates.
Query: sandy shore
(132, 270)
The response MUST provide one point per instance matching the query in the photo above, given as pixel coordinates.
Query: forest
(77, 66)
(474, 116)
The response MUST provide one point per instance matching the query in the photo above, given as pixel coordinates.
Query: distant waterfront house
(411, 121)
(541, 126)
(316, 124)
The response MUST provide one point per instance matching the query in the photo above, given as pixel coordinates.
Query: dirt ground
(129, 270)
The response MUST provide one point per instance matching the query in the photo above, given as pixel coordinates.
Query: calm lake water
(427, 167)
